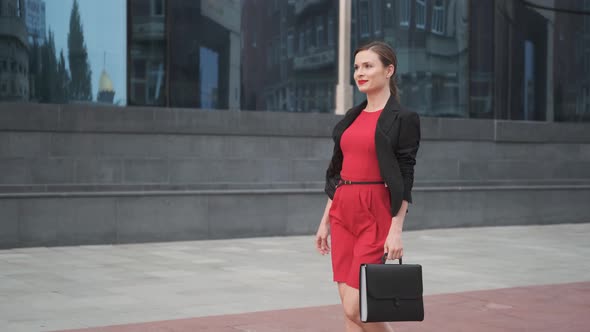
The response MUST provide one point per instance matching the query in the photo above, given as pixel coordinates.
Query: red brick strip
(560, 307)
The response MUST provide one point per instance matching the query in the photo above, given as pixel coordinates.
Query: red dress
(360, 215)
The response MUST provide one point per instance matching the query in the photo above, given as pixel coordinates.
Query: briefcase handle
(384, 259)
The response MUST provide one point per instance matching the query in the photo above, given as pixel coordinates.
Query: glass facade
(289, 55)
(147, 82)
(430, 39)
(571, 63)
(63, 51)
(496, 59)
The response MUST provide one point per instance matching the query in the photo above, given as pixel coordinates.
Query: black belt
(360, 182)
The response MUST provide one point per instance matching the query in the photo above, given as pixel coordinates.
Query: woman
(369, 180)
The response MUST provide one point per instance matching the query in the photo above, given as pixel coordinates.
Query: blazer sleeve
(335, 166)
(406, 150)
(333, 172)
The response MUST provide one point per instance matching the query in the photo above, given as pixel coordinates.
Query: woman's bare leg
(350, 326)
(350, 302)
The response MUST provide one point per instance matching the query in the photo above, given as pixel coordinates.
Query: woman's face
(369, 72)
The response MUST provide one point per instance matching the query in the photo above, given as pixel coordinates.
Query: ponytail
(393, 87)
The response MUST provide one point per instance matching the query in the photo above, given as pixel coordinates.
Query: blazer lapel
(388, 115)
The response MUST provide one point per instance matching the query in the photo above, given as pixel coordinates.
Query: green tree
(63, 80)
(80, 87)
(34, 70)
(47, 79)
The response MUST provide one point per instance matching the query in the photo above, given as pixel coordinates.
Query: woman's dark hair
(387, 57)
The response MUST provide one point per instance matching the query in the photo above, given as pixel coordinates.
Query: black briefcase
(391, 292)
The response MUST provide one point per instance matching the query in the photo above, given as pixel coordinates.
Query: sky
(104, 26)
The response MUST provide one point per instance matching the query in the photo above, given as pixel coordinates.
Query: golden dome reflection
(105, 83)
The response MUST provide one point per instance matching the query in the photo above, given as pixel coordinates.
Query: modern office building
(156, 120)
(519, 60)
(14, 51)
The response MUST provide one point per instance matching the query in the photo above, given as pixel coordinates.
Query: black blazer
(397, 139)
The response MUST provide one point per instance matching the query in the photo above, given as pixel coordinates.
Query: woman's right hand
(321, 238)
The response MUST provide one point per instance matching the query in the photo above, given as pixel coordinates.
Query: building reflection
(185, 53)
(497, 59)
(14, 51)
(571, 98)
(315, 60)
(147, 49)
(431, 42)
(106, 92)
(294, 44)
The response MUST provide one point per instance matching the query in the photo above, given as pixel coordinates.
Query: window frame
(290, 42)
(405, 12)
(377, 19)
(364, 28)
(153, 6)
(421, 13)
(331, 29)
(438, 17)
(319, 31)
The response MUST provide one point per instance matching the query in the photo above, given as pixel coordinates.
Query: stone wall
(80, 174)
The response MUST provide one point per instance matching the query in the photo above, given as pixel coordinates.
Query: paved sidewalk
(62, 288)
(551, 308)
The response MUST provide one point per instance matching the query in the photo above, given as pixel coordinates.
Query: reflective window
(147, 49)
(301, 42)
(438, 17)
(420, 14)
(303, 82)
(353, 26)
(209, 77)
(404, 12)
(309, 34)
(481, 58)
(389, 16)
(290, 42)
(570, 63)
(364, 17)
(457, 58)
(331, 29)
(377, 8)
(432, 72)
(319, 28)
(64, 51)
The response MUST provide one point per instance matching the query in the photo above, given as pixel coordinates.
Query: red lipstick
(361, 82)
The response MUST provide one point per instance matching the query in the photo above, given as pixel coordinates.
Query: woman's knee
(351, 311)
(352, 314)
(350, 303)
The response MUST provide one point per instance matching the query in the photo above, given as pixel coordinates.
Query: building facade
(490, 59)
(184, 53)
(572, 82)
(35, 18)
(494, 80)
(294, 43)
(14, 52)
(431, 43)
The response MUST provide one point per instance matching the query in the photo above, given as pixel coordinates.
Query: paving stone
(103, 285)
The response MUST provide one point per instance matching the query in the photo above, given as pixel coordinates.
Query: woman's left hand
(393, 244)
